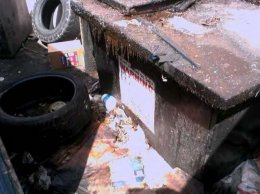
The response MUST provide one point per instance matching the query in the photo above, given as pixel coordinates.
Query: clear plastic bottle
(109, 101)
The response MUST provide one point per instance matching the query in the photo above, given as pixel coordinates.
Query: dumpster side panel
(182, 123)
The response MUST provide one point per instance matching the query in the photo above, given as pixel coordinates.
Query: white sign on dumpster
(137, 93)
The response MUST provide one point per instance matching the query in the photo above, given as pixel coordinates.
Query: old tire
(67, 27)
(49, 129)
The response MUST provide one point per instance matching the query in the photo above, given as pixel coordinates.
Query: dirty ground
(110, 156)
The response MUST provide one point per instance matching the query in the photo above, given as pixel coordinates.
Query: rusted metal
(137, 7)
(228, 74)
(189, 105)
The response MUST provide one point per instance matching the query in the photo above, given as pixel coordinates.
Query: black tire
(42, 16)
(48, 129)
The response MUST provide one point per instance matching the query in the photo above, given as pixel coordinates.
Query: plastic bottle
(109, 102)
(138, 168)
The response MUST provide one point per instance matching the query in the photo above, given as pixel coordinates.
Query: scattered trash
(98, 106)
(138, 168)
(27, 158)
(126, 172)
(40, 179)
(96, 98)
(121, 125)
(121, 160)
(109, 102)
(250, 180)
(95, 88)
(244, 179)
(56, 106)
(127, 133)
(72, 54)
(164, 78)
(121, 173)
(211, 21)
(2, 79)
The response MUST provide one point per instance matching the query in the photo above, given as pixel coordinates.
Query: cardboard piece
(66, 54)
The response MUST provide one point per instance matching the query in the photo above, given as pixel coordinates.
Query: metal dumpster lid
(131, 7)
(217, 35)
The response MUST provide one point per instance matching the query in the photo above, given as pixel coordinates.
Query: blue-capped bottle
(109, 101)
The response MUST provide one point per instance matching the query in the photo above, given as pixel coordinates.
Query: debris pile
(40, 179)
(117, 159)
(34, 177)
(122, 161)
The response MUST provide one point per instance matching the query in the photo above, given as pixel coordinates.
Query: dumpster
(188, 78)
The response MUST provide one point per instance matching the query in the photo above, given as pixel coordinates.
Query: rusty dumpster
(189, 78)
